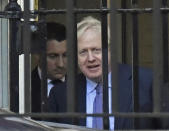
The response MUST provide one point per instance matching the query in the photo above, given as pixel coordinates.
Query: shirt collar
(90, 85)
(49, 81)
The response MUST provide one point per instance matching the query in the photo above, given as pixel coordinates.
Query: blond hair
(89, 22)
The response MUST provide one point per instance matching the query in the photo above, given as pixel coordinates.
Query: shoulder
(145, 80)
(143, 71)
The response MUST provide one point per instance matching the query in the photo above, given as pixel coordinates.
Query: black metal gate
(159, 13)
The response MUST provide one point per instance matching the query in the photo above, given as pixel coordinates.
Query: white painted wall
(4, 90)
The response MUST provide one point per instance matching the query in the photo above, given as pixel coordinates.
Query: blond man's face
(90, 54)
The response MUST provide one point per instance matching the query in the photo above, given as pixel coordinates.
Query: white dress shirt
(90, 96)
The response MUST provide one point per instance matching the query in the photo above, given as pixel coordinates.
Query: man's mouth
(59, 71)
(93, 67)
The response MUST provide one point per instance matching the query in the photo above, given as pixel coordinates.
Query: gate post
(13, 6)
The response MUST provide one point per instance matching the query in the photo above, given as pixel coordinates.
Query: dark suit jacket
(36, 91)
(57, 99)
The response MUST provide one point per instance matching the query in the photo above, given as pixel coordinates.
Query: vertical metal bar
(1, 32)
(124, 40)
(43, 4)
(114, 55)
(165, 42)
(105, 64)
(135, 63)
(104, 3)
(44, 72)
(72, 57)
(27, 63)
(14, 67)
(135, 59)
(44, 63)
(13, 57)
(157, 55)
(133, 2)
(44, 84)
(164, 2)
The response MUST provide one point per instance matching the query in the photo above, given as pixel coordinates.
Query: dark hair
(56, 31)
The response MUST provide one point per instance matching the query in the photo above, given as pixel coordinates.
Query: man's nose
(90, 56)
(60, 62)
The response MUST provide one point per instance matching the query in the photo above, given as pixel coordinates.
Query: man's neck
(96, 80)
(100, 79)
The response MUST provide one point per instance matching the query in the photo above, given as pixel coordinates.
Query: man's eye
(97, 51)
(52, 56)
(83, 52)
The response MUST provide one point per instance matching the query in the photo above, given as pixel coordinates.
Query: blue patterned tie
(97, 108)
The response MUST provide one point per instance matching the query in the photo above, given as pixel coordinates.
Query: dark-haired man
(56, 63)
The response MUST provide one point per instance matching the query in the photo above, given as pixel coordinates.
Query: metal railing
(160, 53)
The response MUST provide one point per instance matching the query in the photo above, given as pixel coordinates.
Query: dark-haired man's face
(56, 59)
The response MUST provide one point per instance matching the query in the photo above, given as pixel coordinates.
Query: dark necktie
(56, 81)
(98, 108)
